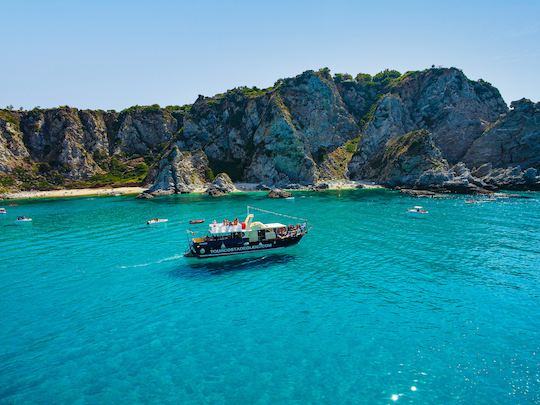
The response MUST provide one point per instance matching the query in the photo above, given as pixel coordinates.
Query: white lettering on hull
(241, 248)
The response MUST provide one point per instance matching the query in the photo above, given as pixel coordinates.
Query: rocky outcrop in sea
(433, 129)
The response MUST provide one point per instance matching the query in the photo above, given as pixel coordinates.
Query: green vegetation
(46, 176)
(366, 118)
(6, 183)
(386, 77)
(180, 108)
(141, 108)
(209, 174)
(10, 117)
(325, 72)
(334, 163)
(254, 91)
(341, 77)
(352, 145)
(364, 78)
(120, 173)
(31, 178)
(406, 75)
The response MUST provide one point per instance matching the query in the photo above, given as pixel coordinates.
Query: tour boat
(234, 237)
(156, 221)
(3, 211)
(417, 210)
(22, 220)
(196, 221)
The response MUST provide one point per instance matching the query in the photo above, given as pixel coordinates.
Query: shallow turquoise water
(98, 308)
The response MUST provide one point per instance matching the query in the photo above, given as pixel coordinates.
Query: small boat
(22, 220)
(196, 221)
(417, 209)
(231, 238)
(156, 221)
(3, 211)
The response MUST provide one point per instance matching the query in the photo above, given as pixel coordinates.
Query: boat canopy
(273, 225)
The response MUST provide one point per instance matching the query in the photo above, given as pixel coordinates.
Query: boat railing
(250, 208)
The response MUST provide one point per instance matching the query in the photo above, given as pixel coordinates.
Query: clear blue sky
(113, 54)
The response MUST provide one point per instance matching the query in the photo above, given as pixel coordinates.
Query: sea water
(374, 305)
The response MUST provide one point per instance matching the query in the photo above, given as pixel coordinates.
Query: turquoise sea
(374, 306)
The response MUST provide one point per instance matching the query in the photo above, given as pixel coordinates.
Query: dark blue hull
(226, 247)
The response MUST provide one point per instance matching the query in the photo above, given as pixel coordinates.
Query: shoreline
(73, 192)
(112, 191)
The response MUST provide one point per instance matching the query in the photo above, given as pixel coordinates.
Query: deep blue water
(96, 307)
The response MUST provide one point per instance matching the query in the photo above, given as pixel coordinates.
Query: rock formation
(410, 130)
(181, 172)
(512, 140)
(278, 193)
(453, 108)
(221, 185)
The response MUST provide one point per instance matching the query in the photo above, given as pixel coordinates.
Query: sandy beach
(79, 192)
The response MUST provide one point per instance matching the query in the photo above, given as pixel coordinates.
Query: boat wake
(166, 259)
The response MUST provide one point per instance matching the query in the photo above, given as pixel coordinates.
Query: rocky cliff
(409, 129)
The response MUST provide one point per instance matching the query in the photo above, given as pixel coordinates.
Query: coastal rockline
(432, 130)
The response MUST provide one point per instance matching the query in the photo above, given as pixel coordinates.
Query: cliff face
(453, 108)
(13, 152)
(405, 159)
(512, 140)
(276, 136)
(304, 129)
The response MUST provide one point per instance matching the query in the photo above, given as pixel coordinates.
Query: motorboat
(417, 209)
(3, 211)
(196, 221)
(23, 220)
(156, 221)
(234, 237)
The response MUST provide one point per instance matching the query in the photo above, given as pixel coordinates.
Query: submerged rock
(278, 193)
(420, 193)
(145, 196)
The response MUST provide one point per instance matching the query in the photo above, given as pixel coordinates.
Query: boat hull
(238, 246)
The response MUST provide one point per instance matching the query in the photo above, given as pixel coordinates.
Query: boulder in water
(278, 193)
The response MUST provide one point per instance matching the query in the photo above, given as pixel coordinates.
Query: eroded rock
(278, 193)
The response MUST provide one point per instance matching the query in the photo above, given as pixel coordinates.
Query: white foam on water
(166, 259)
